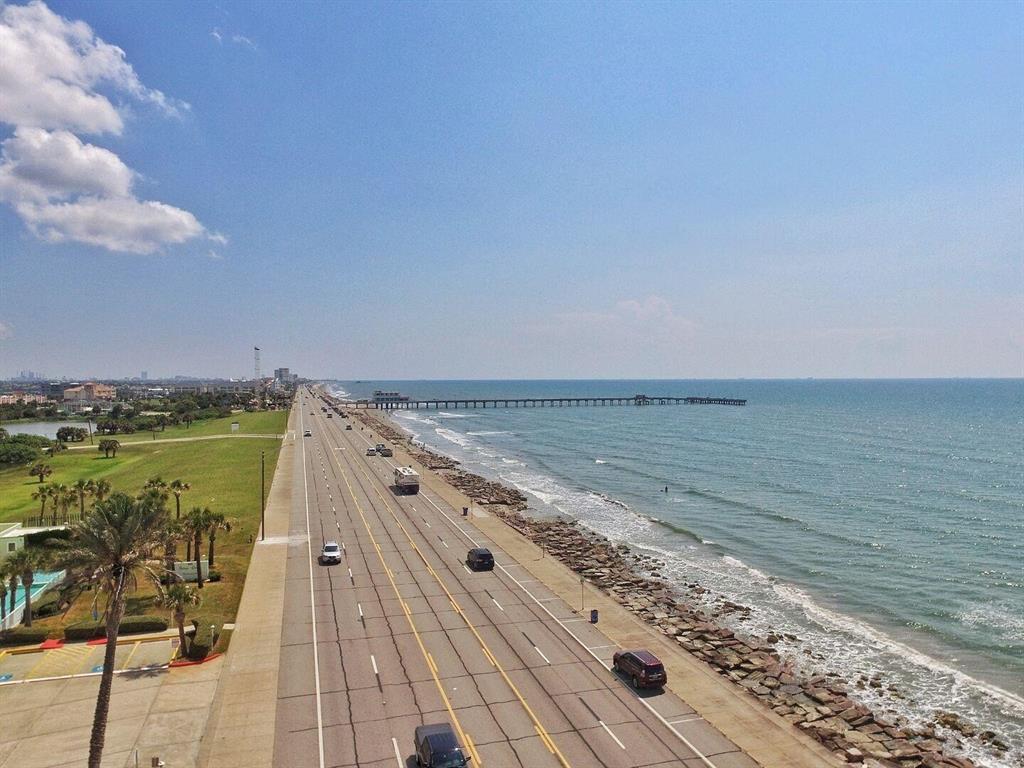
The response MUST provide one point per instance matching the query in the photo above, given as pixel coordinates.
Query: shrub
(48, 605)
(42, 538)
(23, 636)
(201, 639)
(214, 575)
(130, 625)
(133, 624)
(17, 453)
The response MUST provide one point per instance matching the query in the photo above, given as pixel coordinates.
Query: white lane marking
(689, 719)
(350, 573)
(373, 661)
(425, 521)
(467, 568)
(445, 544)
(398, 754)
(360, 607)
(599, 647)
(497, 604)
(338, 524)
(538, 650)
(700, 755)
(609, 730)
(312, 608)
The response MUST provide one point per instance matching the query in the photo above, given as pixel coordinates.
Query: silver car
(331, 553)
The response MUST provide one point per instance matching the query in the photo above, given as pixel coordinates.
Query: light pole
(263, 503)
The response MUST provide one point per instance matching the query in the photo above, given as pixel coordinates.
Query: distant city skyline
(450, 191)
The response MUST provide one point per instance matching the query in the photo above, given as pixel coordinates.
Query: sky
(512, 190)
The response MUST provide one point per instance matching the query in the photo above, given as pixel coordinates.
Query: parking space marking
(398, 754)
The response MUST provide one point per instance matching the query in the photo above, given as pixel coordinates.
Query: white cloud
(38, 165)
(6, 332)
(51, 69)
(63, 188)
(243, 40)
(216, 35)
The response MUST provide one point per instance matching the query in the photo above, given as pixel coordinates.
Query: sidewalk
(244, 711)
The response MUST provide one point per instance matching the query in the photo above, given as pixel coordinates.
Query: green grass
(259, 423)
(225, 476)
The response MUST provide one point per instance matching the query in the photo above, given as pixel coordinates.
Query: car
(348, 427)
(385, 452)
(438, 747)
(331, 553)
(480, 559)
(329, 416)
(307, 433)
(371, 451)
(642, 668)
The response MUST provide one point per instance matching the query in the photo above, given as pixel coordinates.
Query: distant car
(385, 452)
(348, 427)
(329, 416)
(480, 559)
(331, 553)
(371, 451)
(438, 747)
(307, 433)
(643, 668)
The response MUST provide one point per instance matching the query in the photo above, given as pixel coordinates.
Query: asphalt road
(402, 633)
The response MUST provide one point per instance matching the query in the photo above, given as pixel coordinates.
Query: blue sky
(516, 190)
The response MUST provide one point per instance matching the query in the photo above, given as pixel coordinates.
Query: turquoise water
(882, 522)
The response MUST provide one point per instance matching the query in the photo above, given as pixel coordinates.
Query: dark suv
(437, 747)
(643, 668)
(480, 559)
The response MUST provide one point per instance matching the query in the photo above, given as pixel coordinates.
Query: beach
(739, 671)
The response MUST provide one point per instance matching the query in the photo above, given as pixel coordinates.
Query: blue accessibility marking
(4, 678)
(98, 668)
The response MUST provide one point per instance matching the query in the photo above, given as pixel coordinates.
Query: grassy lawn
(259, 423)
(225, 476)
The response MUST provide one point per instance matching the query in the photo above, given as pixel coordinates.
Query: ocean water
(881, 522)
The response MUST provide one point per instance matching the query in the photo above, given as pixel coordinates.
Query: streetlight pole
(263, 502)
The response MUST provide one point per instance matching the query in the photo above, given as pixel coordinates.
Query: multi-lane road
(402, 633)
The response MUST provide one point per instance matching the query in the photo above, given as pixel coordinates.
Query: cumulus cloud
(64, 189)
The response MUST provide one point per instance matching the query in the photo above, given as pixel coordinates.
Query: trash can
(593, 615)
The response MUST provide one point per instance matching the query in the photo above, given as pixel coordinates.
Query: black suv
(643, 668)
(480, 559)
(437, 747)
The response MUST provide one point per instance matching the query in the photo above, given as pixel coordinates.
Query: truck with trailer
(407, 480)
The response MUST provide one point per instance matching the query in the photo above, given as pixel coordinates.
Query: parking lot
(26, 665)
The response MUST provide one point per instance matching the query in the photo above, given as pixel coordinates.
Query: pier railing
(410, 403)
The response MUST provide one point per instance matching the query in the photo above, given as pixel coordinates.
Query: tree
(178, 598)
(215, 521)
(108, 551)
(40, 470)
(42, 495)
(101, 489)
(12, 582)
(82, 488)
(174, 531)
(56, 448)
(188, 417)
(197, 521)
(178, 487)
(71, 434)
(3, 595)
(24, 563)
(108, 447)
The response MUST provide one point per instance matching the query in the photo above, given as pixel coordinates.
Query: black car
(480, 559)
(437, 747)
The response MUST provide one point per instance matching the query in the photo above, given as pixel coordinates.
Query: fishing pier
(396, 401)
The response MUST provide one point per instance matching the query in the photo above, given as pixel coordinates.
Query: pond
(44, 428)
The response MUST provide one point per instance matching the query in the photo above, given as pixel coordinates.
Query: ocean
(879, 522)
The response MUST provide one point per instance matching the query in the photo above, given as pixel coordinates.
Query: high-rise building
(144, 376)
(282, 374)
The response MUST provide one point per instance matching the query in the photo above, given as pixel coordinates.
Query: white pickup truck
(407, 480)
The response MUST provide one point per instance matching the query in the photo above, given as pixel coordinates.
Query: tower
(256, 355)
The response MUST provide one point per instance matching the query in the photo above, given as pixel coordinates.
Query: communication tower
(256, 366)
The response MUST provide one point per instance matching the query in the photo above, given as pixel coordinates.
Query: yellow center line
(126, 661)
(545, 737)
(412, 624)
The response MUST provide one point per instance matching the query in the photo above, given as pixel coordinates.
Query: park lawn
(255, 423)
(225, 476)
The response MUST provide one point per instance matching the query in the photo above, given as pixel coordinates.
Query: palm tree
(41, 495)
(109, 550)
(40, 470)
(101, 489)
(174, 531)
(215, 521)
(12, 582)
(178, 487)
(24, 563)
(109, 446)
(82, 488)
(3, 594)
(178, 598)
(197, 521)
